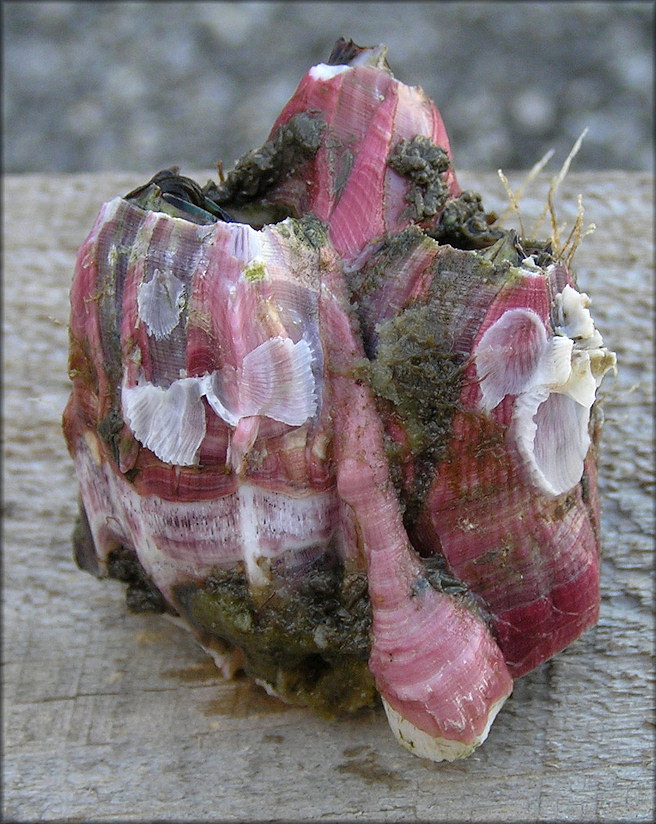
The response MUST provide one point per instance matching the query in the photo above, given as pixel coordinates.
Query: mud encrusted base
(141, 595)
(310, 646)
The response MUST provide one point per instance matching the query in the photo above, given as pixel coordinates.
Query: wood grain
(110, 716)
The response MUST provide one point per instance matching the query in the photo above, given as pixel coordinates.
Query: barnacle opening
(174, 194)
(241, 195)
(348, 53)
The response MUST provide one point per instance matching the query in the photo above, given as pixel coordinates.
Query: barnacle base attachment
(425, 745)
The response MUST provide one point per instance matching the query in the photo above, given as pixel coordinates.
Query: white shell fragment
(274, 380)
(170, 422)
(160, 302)
(322, 71)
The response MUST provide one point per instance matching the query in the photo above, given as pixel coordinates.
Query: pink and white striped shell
(353, 458)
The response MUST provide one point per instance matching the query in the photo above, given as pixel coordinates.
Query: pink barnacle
(372, 154)
(499, 476)
(438, 669)
(370, 117)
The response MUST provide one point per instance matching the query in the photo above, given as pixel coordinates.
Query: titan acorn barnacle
(337, 421)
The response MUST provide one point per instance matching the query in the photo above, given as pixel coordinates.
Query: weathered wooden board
(109, 716)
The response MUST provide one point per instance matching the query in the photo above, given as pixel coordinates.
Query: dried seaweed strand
(576, 234)
(515, 197)
(551, 195)
(513, 201)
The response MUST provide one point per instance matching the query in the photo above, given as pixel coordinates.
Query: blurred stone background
(141, 86)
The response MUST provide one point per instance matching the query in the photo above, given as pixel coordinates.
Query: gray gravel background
(140, 86)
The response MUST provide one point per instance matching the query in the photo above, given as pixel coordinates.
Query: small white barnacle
(555, 380)
(572, 316)
(160, 302)
(275, 380)
(590, 358)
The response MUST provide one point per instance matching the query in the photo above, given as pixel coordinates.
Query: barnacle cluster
(338, 420)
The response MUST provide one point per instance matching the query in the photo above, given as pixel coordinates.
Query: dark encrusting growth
(311, 644)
